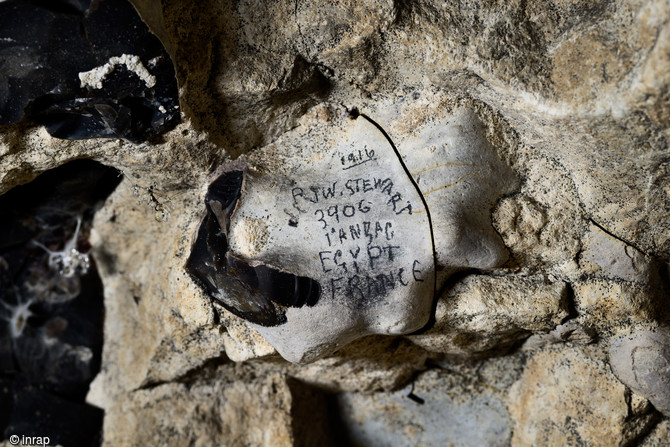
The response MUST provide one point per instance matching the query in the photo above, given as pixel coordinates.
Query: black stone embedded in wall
(253, 291)
(46, 49)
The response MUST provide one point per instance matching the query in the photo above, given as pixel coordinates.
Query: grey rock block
(641, 360)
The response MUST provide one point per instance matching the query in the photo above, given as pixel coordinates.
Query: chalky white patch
(95, 77)
(347, 221)
(352, 212)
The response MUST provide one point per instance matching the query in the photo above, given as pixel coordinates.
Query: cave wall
(532, 349)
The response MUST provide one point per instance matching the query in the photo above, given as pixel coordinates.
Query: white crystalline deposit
(95, 77)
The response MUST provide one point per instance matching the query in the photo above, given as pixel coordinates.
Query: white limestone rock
(343, 215)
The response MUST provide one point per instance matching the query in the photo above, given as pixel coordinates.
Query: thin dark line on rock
(418, 190)
(617, 237)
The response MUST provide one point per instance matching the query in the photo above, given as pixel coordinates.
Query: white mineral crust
(95, 77)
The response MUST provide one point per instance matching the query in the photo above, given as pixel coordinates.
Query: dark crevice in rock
(51, 304)
(663, 291)
(341, 435)
(570, 302)
(207, 371)
(263, 116)
(84, 70)
(312, 420)
(639, 425)
(646, 430)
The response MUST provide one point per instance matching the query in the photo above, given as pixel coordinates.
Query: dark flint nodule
(51, 320)
(45, 44)
(258, 293)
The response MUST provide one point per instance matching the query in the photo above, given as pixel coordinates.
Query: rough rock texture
(641, 360)
(481, 315)
(185, 414)
(572, 99)
(568, 396)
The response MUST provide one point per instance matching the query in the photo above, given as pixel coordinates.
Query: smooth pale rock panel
(337, 218)
(461, 177)
(432, 411)
(339, 240)
(568, 396)
(450, 148)
(641, 360)
(481, 315)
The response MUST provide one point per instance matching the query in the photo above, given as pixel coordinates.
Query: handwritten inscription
(370, 230)
(352, 187)
(361, 251)
(357, 158)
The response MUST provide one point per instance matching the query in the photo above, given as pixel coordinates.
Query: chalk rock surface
(591, 405)
(537, 133)
(337, 243)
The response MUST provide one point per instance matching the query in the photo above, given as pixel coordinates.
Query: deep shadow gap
(51, 304)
